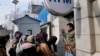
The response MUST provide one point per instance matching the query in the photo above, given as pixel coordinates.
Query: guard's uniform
(70, 41)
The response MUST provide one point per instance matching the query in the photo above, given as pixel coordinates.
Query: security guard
(69, 39)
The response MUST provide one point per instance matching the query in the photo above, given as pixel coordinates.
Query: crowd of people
(28, 45)
(38, 45)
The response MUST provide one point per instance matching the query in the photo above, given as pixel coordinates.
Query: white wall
(58, 23)
(16, 28)
(25, 27)
(86, 27)
(96, 18)
(50, 18)
(26, 24)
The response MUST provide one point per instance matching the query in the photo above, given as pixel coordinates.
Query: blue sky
(7, 6)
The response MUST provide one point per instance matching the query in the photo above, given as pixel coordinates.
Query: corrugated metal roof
(28, 17)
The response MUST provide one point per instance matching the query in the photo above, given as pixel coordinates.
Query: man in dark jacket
(52, 41)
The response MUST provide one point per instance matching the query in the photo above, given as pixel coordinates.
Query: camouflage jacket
(69, 37)
(70, 40)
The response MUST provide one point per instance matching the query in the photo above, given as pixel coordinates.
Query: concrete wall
(96, 18)
(87, 22)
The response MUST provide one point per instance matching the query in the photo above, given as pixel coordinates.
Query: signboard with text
(59, 7)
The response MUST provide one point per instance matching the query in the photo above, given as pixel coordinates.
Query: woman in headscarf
(28, 48)
(15, 44)
(43, 50)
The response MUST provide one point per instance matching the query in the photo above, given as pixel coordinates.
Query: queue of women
(28, 45)
(38, 45)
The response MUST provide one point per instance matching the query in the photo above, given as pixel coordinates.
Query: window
(29, 32)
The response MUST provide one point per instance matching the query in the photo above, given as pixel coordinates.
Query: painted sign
(59, 7)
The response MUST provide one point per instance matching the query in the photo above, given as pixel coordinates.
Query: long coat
(3, 51)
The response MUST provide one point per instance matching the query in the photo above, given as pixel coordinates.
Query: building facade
(87, 23)
(27, 25)
(53, 26)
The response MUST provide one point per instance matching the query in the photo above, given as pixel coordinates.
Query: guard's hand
(66, 47)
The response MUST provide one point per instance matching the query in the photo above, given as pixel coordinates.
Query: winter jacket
(27, 49)
(70, 40)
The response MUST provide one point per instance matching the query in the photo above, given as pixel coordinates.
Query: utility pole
(15, 2)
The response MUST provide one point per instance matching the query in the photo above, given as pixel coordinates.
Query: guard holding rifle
(69, 39)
